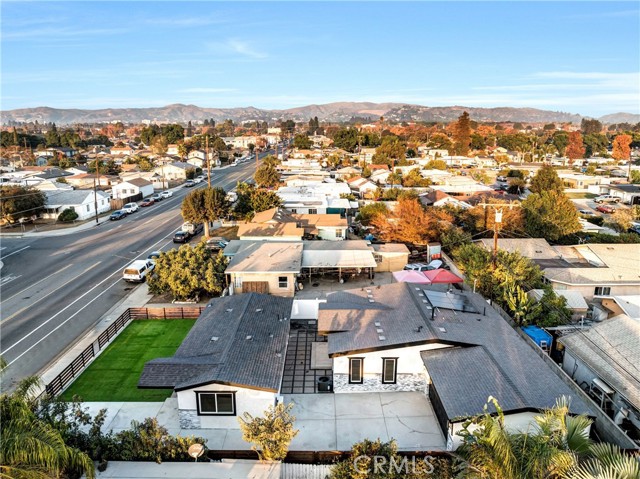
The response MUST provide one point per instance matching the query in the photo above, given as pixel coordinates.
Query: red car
(605, 209)
(147, 202)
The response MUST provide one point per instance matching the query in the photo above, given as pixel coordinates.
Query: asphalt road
(55, 288)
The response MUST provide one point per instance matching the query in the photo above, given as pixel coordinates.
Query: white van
(137, 271)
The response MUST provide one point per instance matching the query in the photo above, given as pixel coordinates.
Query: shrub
(67, 216)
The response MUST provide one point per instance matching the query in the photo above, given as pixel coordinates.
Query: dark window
(212, 403)
(355, 370)
(283, 282)
(389, 369)
(313, 211)
(602, 291)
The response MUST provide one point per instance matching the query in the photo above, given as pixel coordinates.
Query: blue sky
(579, 57)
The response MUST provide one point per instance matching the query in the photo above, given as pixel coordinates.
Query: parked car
(217, 243)
(192, 228)
(138, 270)
(181, 237)
(635, 229)
(605, 208)
(166, 194)
(147, 202)
(417, 267)
(118, 215)
(156, 197)
(130, 208)
(153, 256)
(198, 179)
(606, 199)
(435, 264)
(586, 212)
(189, 184)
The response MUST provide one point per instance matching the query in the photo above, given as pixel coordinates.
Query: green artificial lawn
(114, 375)
(580, 196)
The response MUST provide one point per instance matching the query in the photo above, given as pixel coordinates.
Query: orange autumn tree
(575, 148)
(622, 147)
(409, 222)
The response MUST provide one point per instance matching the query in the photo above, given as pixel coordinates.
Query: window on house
(88, 208)
(220, 404)
(283, 282)
(377, 257)
(355, 370)
(237, 282)
(294, 210)
(389, 370)
(602, 291)
(313, 211)
(338, 233)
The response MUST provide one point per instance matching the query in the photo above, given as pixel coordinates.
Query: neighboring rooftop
(266, 257)
(237, 340)
(612, 350)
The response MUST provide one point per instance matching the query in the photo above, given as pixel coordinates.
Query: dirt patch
(229, 232)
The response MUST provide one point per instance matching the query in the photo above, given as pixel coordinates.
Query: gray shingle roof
(69, 197)
(231, 358)
(405, 317)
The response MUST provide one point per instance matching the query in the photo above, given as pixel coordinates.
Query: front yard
(113, 376)
(580, 196)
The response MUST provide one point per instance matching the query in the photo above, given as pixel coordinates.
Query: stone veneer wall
(373, 383)
(189, 419)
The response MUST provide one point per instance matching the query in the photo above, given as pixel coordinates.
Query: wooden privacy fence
(68, 374)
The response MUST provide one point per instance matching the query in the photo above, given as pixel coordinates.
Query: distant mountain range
(334, 112)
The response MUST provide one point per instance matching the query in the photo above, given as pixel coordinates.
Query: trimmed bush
(67, 216)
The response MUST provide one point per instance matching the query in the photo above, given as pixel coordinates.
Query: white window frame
(199, 394)
(602, 291)
(285, 282)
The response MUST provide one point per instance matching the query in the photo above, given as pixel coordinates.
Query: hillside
(335, 112)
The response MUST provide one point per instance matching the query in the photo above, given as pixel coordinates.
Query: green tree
(524, 309)
(302, 142)
(390, 151)
(561, 141)
(346, 138)
(52, 137)
(635, 177)
(254, 200)
(204, 206)
(553, 309)
(462, 135)
(546, 179)
(491, 451)
(267, 176)
(436, 165)
(189, 272)
(368, 212)
(516, 186)
(272, 434)
(550, 215)
(595, 143)
(30, 447)
(173, 133)
(607, 461)
(67, 216)
(159, 145)
(20, 202)
(478, 142)
(590, 126)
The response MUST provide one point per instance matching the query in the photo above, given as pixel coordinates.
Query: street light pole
(95, 191)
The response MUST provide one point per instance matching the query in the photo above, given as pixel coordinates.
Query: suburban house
(362, 186)
(172, 149)
(87, 180)
(121, 151)
(616, 305)
(278, 224)
(594, 270)
(80, 201)
(461, 186)
(316, 198)
(451, 346)
(231, 362)
(264, 266)
(175, 171)
(629, 194)
(390, 257)
(438, 198)
(346, 172)
(580, 182)
(575, 301)
(132, 187)
(604, 359)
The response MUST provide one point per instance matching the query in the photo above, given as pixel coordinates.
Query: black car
(117, 215)
(181, 237)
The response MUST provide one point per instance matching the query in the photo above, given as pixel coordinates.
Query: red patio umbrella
(406, 276)
(437, 276)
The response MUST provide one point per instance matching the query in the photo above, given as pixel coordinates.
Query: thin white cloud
(244, 48)
(59, 32)
(189, 21)
(239, 48)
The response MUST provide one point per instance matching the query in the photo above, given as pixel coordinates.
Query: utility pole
(95, 190)
(498, 209)
(208, 162)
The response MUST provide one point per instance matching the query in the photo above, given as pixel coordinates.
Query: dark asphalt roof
(230, 358)
(488, 356)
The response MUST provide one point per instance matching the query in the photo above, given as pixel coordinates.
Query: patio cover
(442, 276)
(405, 276)
(338, 259)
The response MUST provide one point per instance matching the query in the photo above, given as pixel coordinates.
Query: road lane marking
(16, 251)
(71, 304)
(49, 293)
(8, 279)
(34, 284)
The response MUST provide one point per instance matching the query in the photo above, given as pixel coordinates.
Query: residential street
(56, 287)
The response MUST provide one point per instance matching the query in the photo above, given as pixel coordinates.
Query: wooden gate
(255, 287)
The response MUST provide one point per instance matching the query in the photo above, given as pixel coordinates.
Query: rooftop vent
(229, 310)
(371, 300)
(214, 338)
(381, 337)
(379, 330)
(258, 310)
(377, 323)
(368, 291)
(442, 330)
(418, 329)
(249, 337)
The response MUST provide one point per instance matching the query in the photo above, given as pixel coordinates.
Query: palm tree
(607, 462)
(491, 451)
(29, 447)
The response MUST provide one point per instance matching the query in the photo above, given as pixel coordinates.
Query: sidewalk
(61, 232)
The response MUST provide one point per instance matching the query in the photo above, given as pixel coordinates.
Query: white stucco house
(81, 201)
(231, 362)
(132, 187)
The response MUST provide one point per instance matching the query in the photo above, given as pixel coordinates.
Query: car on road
(181, 237)
(586, 212)
(198, 179)
(605, 208)
(118, 215)
(156, 197)
(606, 199)
(153, 256)
(166, 194)
(189, 184)
(137, 271)
(130, 208)
(147, 202)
